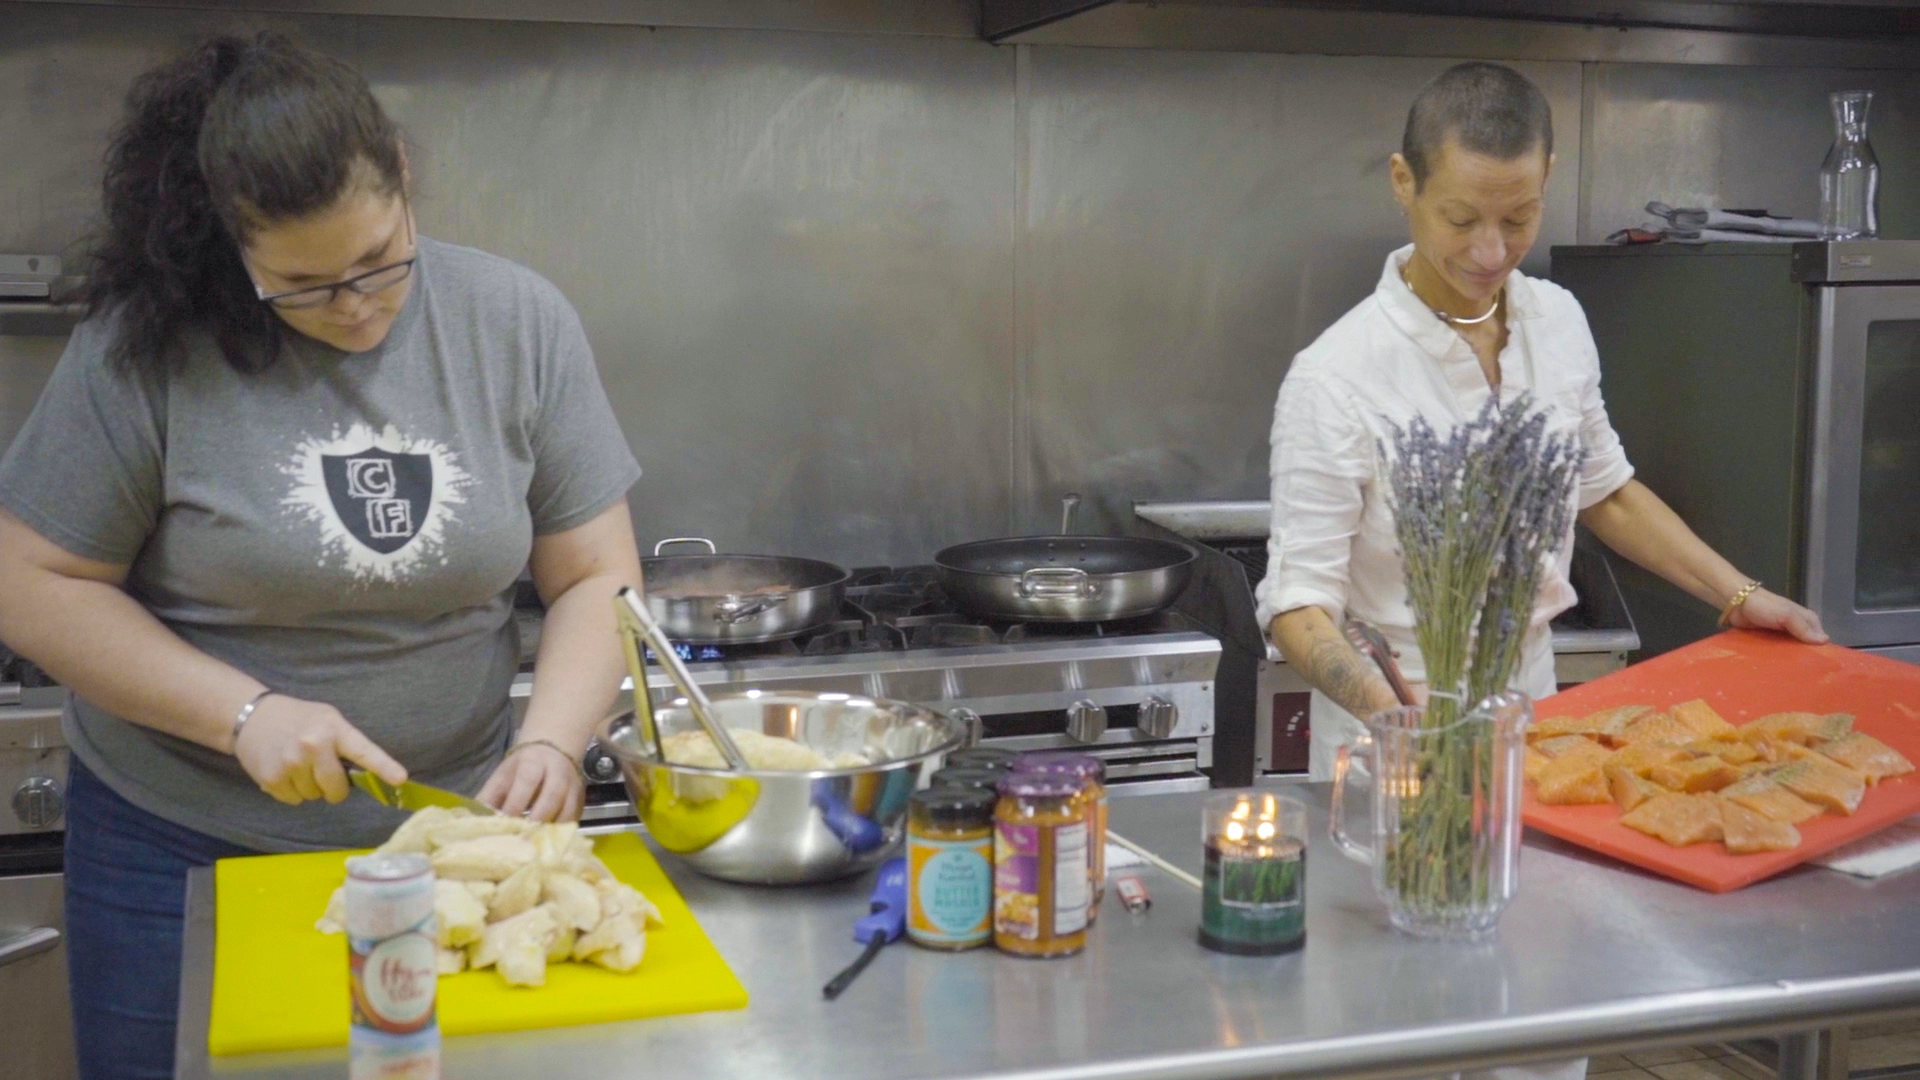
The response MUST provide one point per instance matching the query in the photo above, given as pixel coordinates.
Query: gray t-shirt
(346, 528)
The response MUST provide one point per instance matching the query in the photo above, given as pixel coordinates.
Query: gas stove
(1137, 692)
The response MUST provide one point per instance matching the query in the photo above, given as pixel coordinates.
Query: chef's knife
(412, 796)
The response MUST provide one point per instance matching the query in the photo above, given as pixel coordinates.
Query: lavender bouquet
(1478, 514)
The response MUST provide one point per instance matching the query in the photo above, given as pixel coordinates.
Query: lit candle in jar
(1253, 894)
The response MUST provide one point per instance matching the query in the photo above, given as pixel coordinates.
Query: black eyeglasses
(379, 279)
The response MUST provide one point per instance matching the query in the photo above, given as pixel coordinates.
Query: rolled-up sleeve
(1321, 466)
(1606, 469)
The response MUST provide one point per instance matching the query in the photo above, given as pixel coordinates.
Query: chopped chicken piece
(335, 919)
(458, 917)
(474, 827)
(612, 930)
(485, 858)
(452, 961)
(560, 949)
(577, 903)
(411, 836)
(519, 892)
(482, 890)
(530, 928)
(623, 957)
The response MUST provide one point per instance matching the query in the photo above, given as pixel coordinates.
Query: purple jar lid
(1026, 785)
(1082, 767)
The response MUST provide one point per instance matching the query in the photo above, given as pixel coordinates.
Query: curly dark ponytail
(235, 134)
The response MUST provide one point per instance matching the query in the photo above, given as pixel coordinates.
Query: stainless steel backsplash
(857, 297)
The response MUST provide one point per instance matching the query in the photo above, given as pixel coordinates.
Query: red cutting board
(1745, 675)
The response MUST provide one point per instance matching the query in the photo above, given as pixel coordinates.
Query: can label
(1017, 873)
(394, 979)
(950, 892)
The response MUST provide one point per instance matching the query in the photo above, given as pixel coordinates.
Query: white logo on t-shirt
(382, 500)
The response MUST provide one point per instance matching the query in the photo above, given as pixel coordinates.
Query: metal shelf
(38, 318)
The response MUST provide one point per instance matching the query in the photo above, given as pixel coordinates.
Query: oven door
(33, 978)
(1863, 518)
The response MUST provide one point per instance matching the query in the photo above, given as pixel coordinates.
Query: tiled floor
(1891, 1045)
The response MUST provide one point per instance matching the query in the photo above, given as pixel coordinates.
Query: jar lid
(953, 806)
(1028, 785)
(982, 757)
(1081, 767)
(975, 778)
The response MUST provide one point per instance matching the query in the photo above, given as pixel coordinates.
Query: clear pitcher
(1850, 176)
(1445, 848)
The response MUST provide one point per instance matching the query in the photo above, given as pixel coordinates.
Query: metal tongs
(637, 624)
(1371, 643)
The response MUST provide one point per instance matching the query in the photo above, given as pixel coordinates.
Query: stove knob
(600, 766)
(969, 720)
(1086, 722)
(39, 802)
(1158, 718)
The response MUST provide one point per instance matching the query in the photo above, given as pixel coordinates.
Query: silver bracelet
(240, 721)
(555, 747)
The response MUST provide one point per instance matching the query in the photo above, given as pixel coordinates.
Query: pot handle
(1069, 581)
(711, 549)
(736, 609)
(1342, 767)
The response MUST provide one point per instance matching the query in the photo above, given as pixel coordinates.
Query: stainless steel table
(1593, 956)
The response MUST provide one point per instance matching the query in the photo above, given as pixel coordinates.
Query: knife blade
(412, 796)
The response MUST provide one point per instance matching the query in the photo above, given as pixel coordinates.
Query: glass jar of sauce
(1090, 773)
(1040, 885)
(950, 867)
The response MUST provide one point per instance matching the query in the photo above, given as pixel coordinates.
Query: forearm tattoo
(1335, 669)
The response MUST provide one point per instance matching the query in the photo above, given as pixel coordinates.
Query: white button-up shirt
(1383, 363)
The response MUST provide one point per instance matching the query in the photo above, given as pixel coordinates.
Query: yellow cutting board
(279, 984)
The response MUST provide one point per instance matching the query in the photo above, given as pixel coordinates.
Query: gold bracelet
(1733, 605)
(555, 747)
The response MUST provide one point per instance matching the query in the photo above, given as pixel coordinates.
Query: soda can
(392, 969)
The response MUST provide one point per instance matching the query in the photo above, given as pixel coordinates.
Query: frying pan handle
(711, 549)
(1070, 581)
(735, 609)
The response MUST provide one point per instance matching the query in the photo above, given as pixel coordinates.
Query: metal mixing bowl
(775, 827)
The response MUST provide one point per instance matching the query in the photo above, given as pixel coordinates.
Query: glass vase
(1850, 176)
(1446, 793)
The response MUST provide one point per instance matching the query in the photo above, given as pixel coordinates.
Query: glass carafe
(1850, 177)
(1445, 845)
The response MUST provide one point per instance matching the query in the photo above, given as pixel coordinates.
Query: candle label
(951, 901)
(1253, 894)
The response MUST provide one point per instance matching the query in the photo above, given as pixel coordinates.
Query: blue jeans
(126, 886)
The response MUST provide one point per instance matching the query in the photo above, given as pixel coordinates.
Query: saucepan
(716, 599)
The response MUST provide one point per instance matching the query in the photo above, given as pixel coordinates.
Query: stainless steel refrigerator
(1771, 393)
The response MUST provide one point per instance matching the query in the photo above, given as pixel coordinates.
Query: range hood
(1834, 33)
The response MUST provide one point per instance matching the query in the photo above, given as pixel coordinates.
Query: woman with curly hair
(266, 520)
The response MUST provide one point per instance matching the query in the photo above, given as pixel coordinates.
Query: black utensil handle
(845, 979)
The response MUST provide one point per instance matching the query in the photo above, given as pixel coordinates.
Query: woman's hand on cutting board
(536, 781)
(1770, 611)
(293, 750)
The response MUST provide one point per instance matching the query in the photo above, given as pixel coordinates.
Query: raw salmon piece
(1699, 716)
(1640, 758)
(1867, 755)
(1823, 783)
(1677, 819)
(1694, 774)
(1657, 728)
(1747, 831)
(1628, 788)
(1611, 723)
(1731, 751)
(1804, 728)
(1561, 745)
(1573, 780)
(1763, 795)
(1534, 762)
